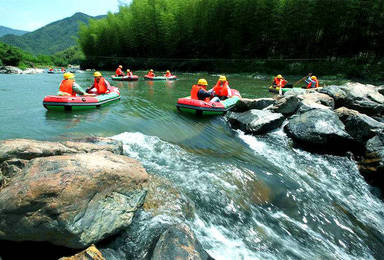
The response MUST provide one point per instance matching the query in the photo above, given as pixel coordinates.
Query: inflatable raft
(69, 103)
(160, 78)
(200, 107)
(126, 78)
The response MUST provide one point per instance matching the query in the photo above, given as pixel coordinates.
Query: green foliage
(51, 38)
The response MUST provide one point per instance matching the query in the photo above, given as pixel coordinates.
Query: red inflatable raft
(126, 78)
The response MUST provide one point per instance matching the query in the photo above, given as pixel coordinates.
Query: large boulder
(319, 129)
(364, 98)
(29, 149)
(319, 98)
(255, 121)
(32, 71)
(245, 104)
(360, 126)
(179, 242)
(72, 200)
(372, 163)
(287, 105)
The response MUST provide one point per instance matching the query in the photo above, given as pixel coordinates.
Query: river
(254, 197)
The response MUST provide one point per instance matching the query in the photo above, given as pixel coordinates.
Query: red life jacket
(168, 74)
(66, 87)
(150, 74)
(101, 86)
(310, 84)
(119, 72)
(195, 90)
(129, 74)
(280, 82)
(221, 89)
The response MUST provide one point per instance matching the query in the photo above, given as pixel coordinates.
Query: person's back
(150, 73)
(68, 86)
(168, 74)
(119, 72)
(199, 91)
(129, 73)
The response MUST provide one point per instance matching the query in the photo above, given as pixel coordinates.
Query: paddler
(150, 73)
(101, 85)
(279, 81)
(221, 90)
(199, 91)
(119, 71)
(68, 86)
(129, 73)
(168, 74)
(312, 81)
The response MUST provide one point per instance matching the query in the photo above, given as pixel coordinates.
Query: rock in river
(255, 121)
(245, 104)
(73, 199)
(319, 128)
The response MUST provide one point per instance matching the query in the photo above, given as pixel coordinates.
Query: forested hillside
(6, 30)
(299, 29)
(52, 38)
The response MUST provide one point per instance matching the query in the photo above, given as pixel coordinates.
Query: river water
(254, 197)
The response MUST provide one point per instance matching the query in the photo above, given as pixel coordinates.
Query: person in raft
(129, 73)
(279, 82)
(199, 91)
(312, 81)
(119, 71)
(150, 73)
(168, 74)
(68, 86)
(101, 85)
(221, 90)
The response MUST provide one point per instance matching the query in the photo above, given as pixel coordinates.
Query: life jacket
(119, 72)
(66, 86)
(150, 74)
(168, 74)
(129, 74)
(101, 86)
(280, 82)
(310, 84)
(195, 90)
(221, 90)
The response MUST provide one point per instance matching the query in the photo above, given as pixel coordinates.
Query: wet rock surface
(255, 121)
(91, 253)
(74, 199)
(245, 104)
(318, 129)
(287, 105)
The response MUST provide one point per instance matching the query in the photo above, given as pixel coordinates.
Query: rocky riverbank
(334, 119)
(16, 70)
(76, 194)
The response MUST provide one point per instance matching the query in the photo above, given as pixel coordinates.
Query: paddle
(297, 82)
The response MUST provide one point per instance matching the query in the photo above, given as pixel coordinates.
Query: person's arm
(202, 94)
(229, 91)
(76, 87)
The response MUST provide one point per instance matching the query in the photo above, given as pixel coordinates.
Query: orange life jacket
(168, 74)
(150, 74)
(119, 72)
(195, 90)
(129, 74)
(66, 86)
(101, 86)
(310, 84)
(220, 89)
(280, 82)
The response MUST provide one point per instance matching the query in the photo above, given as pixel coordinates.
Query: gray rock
(372, 163)
(319, 98)
(255, 121)
(364, 98)
(318, 129)
(287, 105)
(295, 92)
(72, 200)
(10, 70)
(179, 242)
(245, 104)
(91, 253)
(307, 105)
(361, 127)
(29, 149)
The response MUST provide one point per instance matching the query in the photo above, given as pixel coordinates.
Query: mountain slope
(52, 38)
(6, 30)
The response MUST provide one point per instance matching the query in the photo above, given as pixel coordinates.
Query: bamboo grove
(239, 29)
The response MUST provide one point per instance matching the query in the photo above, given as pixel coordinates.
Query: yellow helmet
(151, 70)
(120, 66)
(128, 70)
(68, 75)
(313, 77)
(168, 71)
(279, 76)
(97, 74)
(222, 78)
(202, 82)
